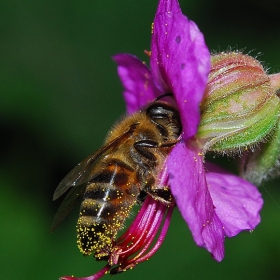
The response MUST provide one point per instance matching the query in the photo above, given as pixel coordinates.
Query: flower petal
(168, 5)
(180, 61)
(188, 185)
(237, 201)
(136, 78)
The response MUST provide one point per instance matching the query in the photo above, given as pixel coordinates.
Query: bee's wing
(76, 180)
(67, 204)
(79, 176)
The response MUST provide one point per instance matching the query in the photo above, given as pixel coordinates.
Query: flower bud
(240, 107)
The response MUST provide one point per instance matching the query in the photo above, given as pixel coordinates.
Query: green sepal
(264, 162)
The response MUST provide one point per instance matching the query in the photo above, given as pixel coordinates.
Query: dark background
(59, 95)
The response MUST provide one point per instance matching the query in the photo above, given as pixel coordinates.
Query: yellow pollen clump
(152, 28)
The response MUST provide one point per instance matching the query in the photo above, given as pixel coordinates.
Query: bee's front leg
(161, 193)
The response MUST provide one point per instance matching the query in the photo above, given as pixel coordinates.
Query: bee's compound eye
(160, 111)
(166, 117)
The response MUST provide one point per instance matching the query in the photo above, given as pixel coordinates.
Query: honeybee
(118, 175)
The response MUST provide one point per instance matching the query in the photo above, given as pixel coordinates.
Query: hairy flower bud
(240, 107)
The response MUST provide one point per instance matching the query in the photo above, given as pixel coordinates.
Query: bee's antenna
(164, 95)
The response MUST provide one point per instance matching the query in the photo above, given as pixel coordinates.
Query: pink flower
(213, 202)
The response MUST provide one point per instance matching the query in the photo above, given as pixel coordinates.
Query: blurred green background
(59, 95)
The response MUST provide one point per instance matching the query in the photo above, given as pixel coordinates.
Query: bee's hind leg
(160, 193)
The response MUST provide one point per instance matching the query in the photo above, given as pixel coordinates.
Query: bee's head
(166, 118)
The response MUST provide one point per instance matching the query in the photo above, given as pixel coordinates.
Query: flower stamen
(144, 229)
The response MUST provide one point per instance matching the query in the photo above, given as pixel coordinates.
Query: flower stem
(96, 276)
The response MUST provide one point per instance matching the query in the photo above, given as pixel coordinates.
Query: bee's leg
(141, 197)
(162, 193)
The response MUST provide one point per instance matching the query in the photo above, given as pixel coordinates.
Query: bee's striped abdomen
(108, 200)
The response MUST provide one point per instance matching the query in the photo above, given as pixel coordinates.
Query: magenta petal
(237, 201)
(180, 61)
(188, 185)
(168, 5)
(136, 78)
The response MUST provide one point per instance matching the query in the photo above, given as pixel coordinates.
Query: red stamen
(149, 220)
(138, 232)
(138, 229)
(155, 224)
(160, 238)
